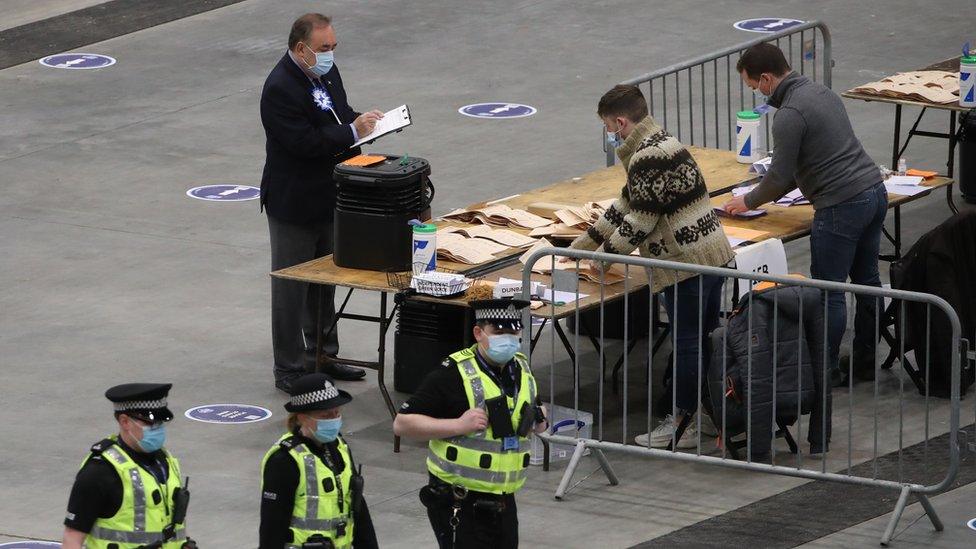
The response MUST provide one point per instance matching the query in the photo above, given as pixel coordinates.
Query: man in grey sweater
(817, 151)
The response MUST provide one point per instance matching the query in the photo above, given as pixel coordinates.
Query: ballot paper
(904, 180)
(748, 214)
(905, 190)
(509, 238)
(392, 121)
(588, 270)
(733, 241)
(792, 198)
(499, 215)
(926, 86)
(471, 251)
(742, 191)
(557, 230)
(761, 166)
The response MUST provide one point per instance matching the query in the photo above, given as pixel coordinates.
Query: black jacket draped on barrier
(797, 314)
(943, 263)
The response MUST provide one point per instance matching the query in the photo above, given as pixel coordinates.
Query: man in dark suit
(310, 127)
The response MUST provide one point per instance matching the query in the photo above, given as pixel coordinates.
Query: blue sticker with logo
(224, 193)
(972, 524)
(78, 61)
(30, 545)
(228, 413)
(767, 24)
(497, 110)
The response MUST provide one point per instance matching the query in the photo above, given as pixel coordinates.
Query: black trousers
(294, 304)
(476, 529)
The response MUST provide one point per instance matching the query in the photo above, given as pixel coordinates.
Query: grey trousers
(294, 304)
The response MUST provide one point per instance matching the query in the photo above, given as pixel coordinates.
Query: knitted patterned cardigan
(663, 210)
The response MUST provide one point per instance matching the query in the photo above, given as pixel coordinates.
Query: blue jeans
(698, 297)
(845, 241)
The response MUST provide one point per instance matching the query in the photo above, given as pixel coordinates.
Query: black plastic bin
(373, 205)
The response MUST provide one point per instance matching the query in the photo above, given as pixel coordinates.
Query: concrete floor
(112, 274)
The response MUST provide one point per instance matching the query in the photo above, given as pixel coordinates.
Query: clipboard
(393, 121)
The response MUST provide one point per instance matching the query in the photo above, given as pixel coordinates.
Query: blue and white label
(766, 24)
(228, 413)
(30, 545)
(497, 110)
(224, 193)
(971, 524)
(77, 61)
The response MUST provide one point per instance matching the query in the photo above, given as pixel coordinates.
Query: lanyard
(494, 377)
(327, 458)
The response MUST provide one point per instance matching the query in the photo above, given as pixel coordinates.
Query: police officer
(311, 490)
(477, 414)
(128, 494)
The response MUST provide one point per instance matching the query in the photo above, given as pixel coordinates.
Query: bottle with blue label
(967, 81)
(747, 136)
(424, 247)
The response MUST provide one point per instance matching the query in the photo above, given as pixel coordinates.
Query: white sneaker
(708, 427)
(661, 436)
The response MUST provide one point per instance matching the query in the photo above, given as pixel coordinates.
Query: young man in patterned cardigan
(664, 212)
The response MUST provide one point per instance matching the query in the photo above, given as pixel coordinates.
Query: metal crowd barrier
(871, 452)
(710, 85)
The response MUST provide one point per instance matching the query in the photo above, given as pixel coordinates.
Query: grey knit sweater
(663, 209)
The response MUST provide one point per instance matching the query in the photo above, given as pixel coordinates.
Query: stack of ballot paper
(511, 239)
(587, 269)
(742, 191)
(905, 185)
(927, 86)
(499, 215)
(582, 217)
(471, 251)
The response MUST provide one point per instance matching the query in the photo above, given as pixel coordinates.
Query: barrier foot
(930, 511)
(570, 469)
(605, 465)
(896, 515)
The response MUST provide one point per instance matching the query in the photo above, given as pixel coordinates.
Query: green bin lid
(426, 228)
(748, 115)
(968, 59)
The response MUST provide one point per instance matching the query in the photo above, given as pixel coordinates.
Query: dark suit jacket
(304, 143)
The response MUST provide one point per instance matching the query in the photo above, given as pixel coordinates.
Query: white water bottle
(424, 247)
(747, 136)
(967, 81)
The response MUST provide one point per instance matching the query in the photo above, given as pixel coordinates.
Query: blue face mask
(323, 62)
(153, 438)
(502, 347)
(613, 139)
(327, 430)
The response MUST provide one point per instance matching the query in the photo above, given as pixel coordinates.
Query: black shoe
(838, 378)
(864, 366)
(341, 372)
(284, 384)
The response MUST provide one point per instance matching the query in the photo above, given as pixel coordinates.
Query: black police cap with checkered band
(146, 401)
(315, 392)
(504, 314)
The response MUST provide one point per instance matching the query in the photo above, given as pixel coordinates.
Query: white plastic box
(562, 421)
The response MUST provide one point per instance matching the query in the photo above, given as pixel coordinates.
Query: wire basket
(440, 283)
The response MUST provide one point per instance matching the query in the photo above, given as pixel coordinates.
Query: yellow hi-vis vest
(147, 506)
(317, 507)
(479, 461)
